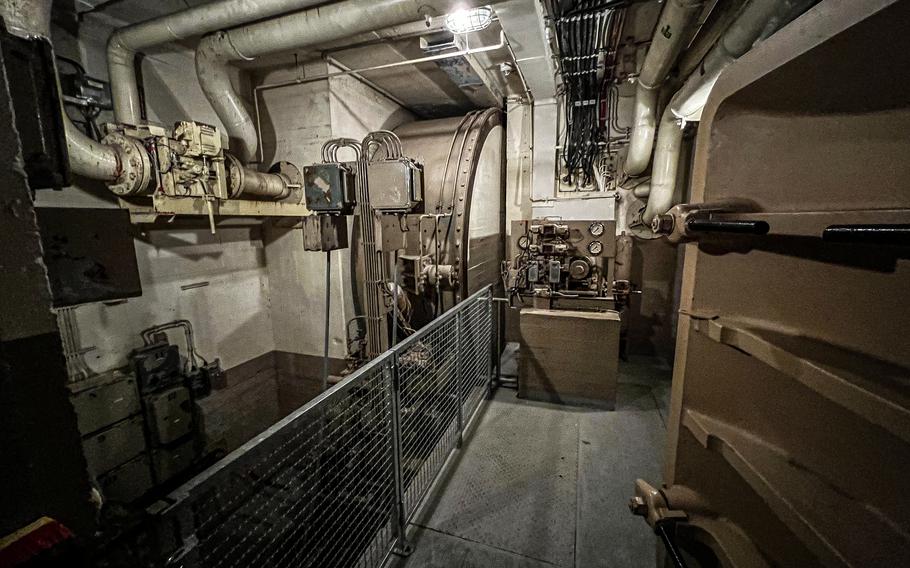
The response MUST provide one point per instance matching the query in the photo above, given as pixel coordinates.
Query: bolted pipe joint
(134, 172)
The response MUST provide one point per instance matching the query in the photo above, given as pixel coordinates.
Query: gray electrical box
(128, 482)
(396, 185)
(168, 462)
(329, 188)
(114, 446)
(104, 400)
(325, 232)
(170, 415)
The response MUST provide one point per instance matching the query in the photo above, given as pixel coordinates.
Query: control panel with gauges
(566, 263)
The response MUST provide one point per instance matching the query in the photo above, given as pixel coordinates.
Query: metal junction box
(104, 400)
(114, 446)
(325, 232)
(396, 186)
(329, 188)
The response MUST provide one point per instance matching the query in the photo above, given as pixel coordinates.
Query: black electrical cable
(587, 36)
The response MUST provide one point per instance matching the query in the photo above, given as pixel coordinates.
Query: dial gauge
(596, 229)
(523, 242)
(595, 247)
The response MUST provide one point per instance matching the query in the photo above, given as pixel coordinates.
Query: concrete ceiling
(433, 89)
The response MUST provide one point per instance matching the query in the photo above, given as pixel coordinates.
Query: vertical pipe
(328, 312)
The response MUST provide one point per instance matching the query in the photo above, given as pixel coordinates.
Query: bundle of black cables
(587, 32)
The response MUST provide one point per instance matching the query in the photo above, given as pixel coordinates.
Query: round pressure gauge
(596, 247)
(596, 229)
(523, 242)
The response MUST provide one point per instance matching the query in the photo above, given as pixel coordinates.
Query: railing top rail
(186, 490)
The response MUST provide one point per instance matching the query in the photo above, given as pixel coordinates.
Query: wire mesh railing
(335, 483)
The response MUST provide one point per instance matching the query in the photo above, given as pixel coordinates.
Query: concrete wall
(230, 312)
(305, 116)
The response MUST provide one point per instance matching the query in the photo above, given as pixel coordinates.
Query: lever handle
(727, 226)
(868, 234)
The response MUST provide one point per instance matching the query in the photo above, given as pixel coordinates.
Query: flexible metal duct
(758, 20)
(307, 28)
(126, 42)
(670, 36)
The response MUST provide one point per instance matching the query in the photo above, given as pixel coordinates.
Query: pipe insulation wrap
(672, 32)
(666, 165)
(307, 28)
(126, 42)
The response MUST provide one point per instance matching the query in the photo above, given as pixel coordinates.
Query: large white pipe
(666, 166)
(672, 32)
(758, 20)
(317, 26)
(126, 42)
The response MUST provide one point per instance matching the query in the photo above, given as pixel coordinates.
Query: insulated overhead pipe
(672, 32)
(307, 28)
(126, 42)
(757, 21)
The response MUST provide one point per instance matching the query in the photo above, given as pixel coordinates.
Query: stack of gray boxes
(110, 419)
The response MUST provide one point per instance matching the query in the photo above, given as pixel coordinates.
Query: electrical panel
(562, 259)
(329, 188)
(395, 185)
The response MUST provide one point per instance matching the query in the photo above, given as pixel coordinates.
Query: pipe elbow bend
(212, 58)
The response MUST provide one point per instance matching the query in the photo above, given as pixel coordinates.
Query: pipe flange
(235, 175)
(135, 165)
(292, 178)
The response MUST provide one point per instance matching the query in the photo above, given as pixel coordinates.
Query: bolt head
(637, 506)
(662, 224)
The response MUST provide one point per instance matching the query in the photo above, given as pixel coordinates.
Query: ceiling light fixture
(466, 21)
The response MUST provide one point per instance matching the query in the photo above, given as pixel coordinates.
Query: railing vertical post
(402, 546)
(493, 345)
(459, 379)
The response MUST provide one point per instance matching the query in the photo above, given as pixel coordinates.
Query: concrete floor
(547, 485)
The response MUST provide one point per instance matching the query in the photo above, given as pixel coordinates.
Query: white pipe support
(307, 28)
(125, 43)
(666, 166)
(670, 37)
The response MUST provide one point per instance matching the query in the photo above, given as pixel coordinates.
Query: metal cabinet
(114, 446)
(102, 401)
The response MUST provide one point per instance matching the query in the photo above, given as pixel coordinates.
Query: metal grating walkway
(546, 485)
